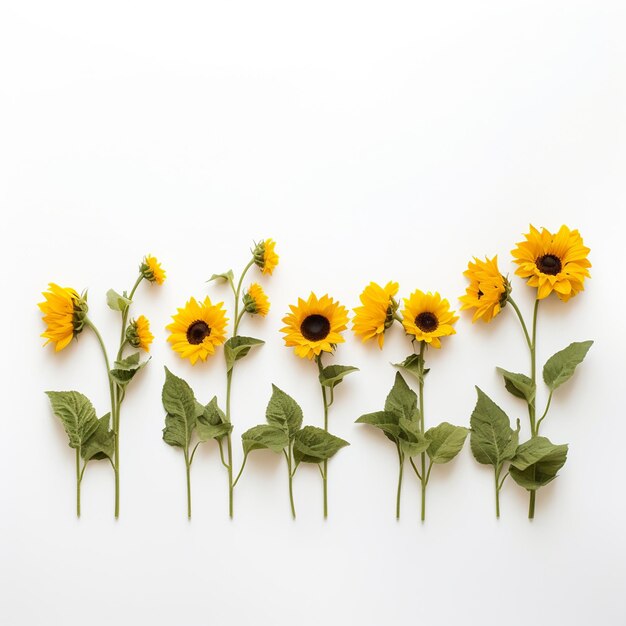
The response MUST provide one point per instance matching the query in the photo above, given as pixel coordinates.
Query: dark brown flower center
(549, 264)
(315, 327)
(197, 332)
(427, 322)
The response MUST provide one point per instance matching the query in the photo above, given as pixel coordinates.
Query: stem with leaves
(320, 367)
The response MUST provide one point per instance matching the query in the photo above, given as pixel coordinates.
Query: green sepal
(269, 436)
(518, 385)
(237, 347)
(229, 276)
(537, 463)
(402, 400)
(414, 365)
(101, 444)
(314, 445)
(560, 367)
(332, 375)
(412, 442)
(446, 441)
(180, 405)
(284, 412)
(76, 414)
(386, 421)
(492, 440)
(117, 302)
(125, 369)
(211, 422)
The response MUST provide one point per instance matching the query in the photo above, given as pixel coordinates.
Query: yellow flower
(427, 317)
(64, 313)
(197, 329)
(314, 326)
(553, 262)
(151, 270)
(255, 300)
(488, 289)
(265, 257)
(377, 313)
(138, 333)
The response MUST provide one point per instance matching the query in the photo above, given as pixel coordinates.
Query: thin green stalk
(423, 477)
(288, 457)
(78, 480)
(521, 319)
(400, 472)
(188, 475)
(532, 405)
(545, 412)
(320, 367)
(243, 464)
(497, 480)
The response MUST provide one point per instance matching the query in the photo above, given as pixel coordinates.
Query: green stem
(534, 428)
(125, 316)
(245, 458)
(238, 294)
(114, 415)
(545, 412)
(521, 319)
(288, 457)
(78, 480)
(497, 480)
(400, 472)
(320, 367)
(417, 472)
(423, 477)
(188, 475)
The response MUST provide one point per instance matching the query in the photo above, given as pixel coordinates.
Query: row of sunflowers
(551, 262)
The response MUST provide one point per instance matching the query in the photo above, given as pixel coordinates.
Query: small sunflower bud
(138, 333)
(255, 301)
(151, 270)
(264, 256)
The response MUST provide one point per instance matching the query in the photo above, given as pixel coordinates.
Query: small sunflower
(314, 326)
(553, 262)
(64, 313)
(488, 289)
(151, 270)
(255, 300)
(197, 329)
(138, 333)
(377, 312)
(265, 257)
(427, 317)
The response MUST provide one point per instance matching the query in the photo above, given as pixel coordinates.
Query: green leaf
(229, 276)
(413, 364)
(117, 302)
(492, 439)
(559, 368)
(101, 444)
(237, 347)
(265, 436)
(124, 371)
(76, 414)
(537, 463)
(180, 404)
(386, 421)
(402, 400)
(332, 375)
(313, 445)
(446, 442)
(211, 423)
(519, 385)
(411, 440)
(283, 411)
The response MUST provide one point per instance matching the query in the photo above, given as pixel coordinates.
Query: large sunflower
(314, 326)
(487, 291)
(151, 270)
(255, 300)
(64, 313)
(197, 329)
(427, 317)
(265, 257)
(553, 262)
(138, 333)
(377, 312)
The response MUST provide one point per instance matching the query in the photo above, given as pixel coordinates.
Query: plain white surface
(372, 141)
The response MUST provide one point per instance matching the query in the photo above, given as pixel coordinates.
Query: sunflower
(64, 313)
(265, 257)
(151, 270)
(138, 333)
(255, 300)
(197, 329)
(377, 312)
(427, 317)
(488, 289)
(553, 262)
(314, 326)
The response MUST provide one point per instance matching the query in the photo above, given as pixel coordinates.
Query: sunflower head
(427, 317)
(138, 333)
(488, 289)
(376, 313)
(197, 329)
(264, 256)
(151, 270)
(553, 262)
(255, 300)
(64, 313)
(315, 326)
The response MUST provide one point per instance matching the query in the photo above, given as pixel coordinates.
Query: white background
(373, 141)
